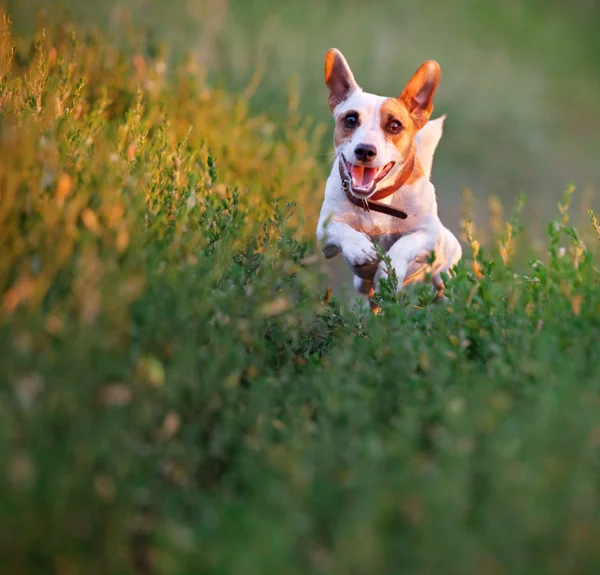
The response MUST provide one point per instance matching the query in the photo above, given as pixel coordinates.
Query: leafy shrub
(176, 398)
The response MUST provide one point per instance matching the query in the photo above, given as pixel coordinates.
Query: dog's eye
(394, 127)
(351, 120)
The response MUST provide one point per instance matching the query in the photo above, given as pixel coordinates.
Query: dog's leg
(404, 251)
(356, 247)
(366, 288)
(363, 286)
(448, 252)
(439, 286)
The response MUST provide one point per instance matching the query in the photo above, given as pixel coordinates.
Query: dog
(379, 189)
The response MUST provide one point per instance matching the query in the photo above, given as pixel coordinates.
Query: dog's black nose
(365, 152)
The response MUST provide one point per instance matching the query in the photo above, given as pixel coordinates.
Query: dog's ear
(338, 77)
(418, 93)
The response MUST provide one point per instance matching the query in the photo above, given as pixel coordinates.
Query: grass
(178, 394)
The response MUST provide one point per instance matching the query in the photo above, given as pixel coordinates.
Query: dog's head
(375, 136)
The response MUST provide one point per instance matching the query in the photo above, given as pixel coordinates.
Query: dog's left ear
(418, 93)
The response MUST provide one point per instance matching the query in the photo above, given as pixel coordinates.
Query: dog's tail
(428, 139)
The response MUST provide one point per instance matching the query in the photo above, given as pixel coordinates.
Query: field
(180, 393)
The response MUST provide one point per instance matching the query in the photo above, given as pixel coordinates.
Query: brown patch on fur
(338, 77)
(342, 133)
(392, 110)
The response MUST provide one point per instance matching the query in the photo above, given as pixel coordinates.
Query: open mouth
(364, 179)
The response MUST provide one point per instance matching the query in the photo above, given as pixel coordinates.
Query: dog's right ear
(339, 78)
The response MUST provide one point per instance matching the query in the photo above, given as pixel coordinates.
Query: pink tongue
(363, 177)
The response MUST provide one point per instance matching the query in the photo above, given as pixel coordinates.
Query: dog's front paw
(359, 251)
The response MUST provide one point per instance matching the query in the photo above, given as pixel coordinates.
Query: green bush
(177, 397)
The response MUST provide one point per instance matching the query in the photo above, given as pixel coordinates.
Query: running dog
(379, 188)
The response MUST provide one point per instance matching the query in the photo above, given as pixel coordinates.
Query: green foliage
(176, 397)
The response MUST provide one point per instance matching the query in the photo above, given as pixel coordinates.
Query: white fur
(428, 138)
(346, 228)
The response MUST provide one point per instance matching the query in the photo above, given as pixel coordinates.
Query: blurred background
(520, 79)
